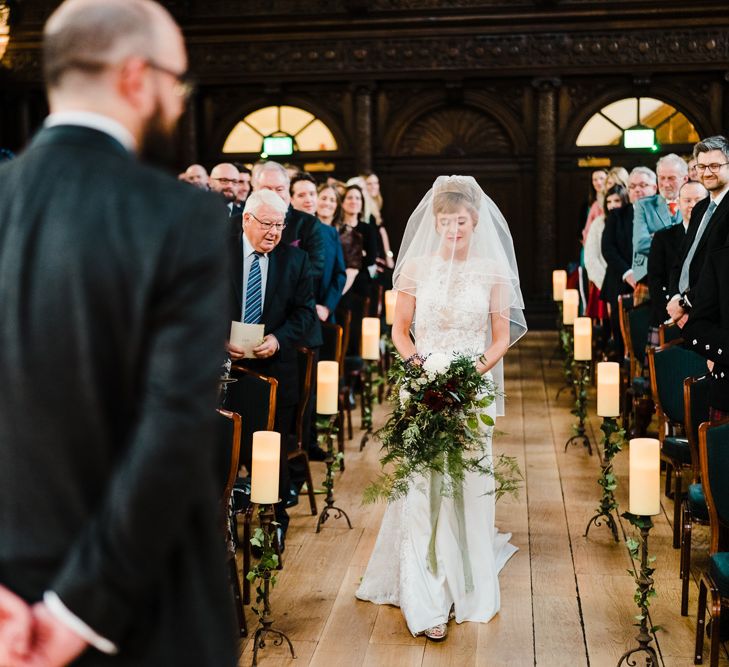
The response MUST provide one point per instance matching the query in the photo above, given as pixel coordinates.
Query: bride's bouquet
(439, 426)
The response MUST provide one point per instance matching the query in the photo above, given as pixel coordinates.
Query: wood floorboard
(565, 599)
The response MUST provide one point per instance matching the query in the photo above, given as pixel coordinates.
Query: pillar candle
(571, 303)
(370, 338)
(645, 476)
(559, 282)
(583, 339)
(264, 471)
(327, 387)
(608, 389)
(390, 300)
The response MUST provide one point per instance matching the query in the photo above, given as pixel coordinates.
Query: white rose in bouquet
(436, 364)
(404, 397)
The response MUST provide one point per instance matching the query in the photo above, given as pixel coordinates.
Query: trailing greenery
(439, 425)
(265, 568)
(645, 590)
(612, 443)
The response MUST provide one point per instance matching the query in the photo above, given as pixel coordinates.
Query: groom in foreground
(113, 283)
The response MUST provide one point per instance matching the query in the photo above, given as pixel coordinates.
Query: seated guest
(304, 198)
(664, 253)
(595, 264)
(196, 175)
(709, 227)
(302, 229)
(707, 329)
(244, 184)
(224, 180)
(617, 248)
(272, 286)
(660, 211)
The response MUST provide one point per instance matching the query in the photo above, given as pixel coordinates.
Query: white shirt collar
(717, 199)
(95, 121)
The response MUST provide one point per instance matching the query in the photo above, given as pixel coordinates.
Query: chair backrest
(229, 429)
(696, 411)
(667, 333)
(634, 323)
(714, 457)
(254, 396)
(332, 345)
(305, 359)
(670, 365)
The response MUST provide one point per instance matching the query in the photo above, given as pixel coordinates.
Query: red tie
(673, 207)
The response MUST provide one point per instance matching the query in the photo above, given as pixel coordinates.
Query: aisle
(565, 600)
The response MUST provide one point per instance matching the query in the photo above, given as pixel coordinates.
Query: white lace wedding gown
(398, 573)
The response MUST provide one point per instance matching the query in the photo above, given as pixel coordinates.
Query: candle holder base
(326, 431)
(605, 518)
(259, 641)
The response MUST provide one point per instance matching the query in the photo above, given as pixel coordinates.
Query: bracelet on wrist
(413, 357)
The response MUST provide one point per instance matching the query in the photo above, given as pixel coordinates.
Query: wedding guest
(302, 229)
(272, 285)
(197, 175)
(664, 253)
(657, 212)
(385, 256)
(329, 205)
(709, 226)
(692, 173)
(224, 180)
(244, 184)
(303, 193)
(617, 176)
(109, 527)
(598, 179)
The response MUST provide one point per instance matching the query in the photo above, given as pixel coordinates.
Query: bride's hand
(481, 364)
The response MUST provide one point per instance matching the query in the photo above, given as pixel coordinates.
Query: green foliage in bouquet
(439, 426)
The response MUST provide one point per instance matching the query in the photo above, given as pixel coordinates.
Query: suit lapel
(663, 213)
(236, 273)
(272, 279)
(720, 212)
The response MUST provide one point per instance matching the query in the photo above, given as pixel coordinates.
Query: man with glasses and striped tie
(272, 285)
(709, 226)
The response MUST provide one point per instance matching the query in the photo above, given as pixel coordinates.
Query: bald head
(89, 36)
(224, 179)
(197, 175)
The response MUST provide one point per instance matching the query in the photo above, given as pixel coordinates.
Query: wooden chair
(669, 366)
(306, 383)
(667, 333)
(259, 415)
(332, 349)
(230, 435)
(344, 317)
(714, 460)
(693, 507)
(636, 406)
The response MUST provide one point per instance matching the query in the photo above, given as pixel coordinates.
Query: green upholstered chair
(714, 458)
(693, 507)
(670, 365)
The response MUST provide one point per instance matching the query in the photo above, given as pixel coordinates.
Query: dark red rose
(434, 400)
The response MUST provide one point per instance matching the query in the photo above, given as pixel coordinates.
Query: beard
(159, 146)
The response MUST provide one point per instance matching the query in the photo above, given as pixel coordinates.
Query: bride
(458, 292)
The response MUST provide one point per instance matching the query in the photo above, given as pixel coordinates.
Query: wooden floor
(565, 599)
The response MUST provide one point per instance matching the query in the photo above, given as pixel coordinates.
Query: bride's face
(456, 229)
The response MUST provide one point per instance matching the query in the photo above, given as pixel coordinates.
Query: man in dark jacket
(112, 339)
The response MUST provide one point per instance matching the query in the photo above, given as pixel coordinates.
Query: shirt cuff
(63, 614)
(627, 273)
(675, 297)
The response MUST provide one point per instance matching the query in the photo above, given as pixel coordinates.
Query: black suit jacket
(617, 249)
(707, 329)
(663, 253)
(113, 281)
(289, 313)
(715, 236)
(303, 230)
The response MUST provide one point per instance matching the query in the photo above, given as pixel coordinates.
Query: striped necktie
(254, 292)
(683, 281)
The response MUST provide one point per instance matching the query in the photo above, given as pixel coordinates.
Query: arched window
(4, 27)
(306, 132)
(606, 127)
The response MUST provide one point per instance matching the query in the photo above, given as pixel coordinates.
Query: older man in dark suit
(112, 337)
(272, 285)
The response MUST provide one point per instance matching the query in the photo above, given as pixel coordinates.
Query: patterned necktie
(672, 208)
(254, 292)
(683, 281)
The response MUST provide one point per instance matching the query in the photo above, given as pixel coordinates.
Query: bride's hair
(454, 193)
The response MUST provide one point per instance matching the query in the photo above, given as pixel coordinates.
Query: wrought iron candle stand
(645, 591)
(560, 325)
(368, 397)
(567, 339)
(613, 439)
(580, 380)
(265, 620)
(326, 426)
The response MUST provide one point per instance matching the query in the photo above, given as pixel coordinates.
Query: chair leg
(669, 471)
(247, 554)
(715, 627)
(687, 525)
(677, 492)
(235, 585)
(350, 431)
(700, 624)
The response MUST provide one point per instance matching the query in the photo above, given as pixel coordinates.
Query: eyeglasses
(634, 186)
(226, 181)
(184, 86)
(713, 167)
(268, 226)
